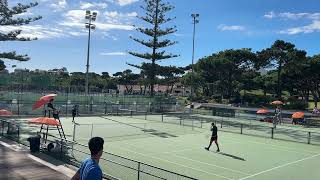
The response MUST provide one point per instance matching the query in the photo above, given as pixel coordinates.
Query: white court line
(183, 150)
(278, 147)
(287, 164)
(175, 163)
(221, 167)
(239, 172)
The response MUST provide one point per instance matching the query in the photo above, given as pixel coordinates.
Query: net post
(241, 126)
(272, 132)
(192, 124)
(162, 116)
(139, 170)
(74, 132)
(309, 137)
(91, 129)
(18, 133)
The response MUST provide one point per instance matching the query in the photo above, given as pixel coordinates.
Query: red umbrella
(4, 112)
(298, 115)
(43, 100)
(277, 102)
(262, 111)
(45, 121)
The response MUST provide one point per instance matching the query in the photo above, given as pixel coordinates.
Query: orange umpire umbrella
(43, 100)
(298, 115)
(277, 102)
(262, 111)
(4, 112)
(45, 121)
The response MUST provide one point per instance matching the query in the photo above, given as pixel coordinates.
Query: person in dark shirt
(75, 111)
(90, 169)
(214, 137)
(50, 108)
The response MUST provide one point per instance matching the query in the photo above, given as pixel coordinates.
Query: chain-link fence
(114, 166)
(20, 103)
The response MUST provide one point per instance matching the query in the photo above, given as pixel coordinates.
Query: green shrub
(294, 103)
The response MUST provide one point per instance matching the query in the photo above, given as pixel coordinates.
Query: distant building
(4, 71)
(58, 71)
(39, 71)
(18, 70)
(177, 89)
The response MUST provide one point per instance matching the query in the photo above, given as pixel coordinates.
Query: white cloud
(35, 31)
(116, 14)
(59, 5)
(270, 15)
(126, 2)
(313, 27)
(75, 33)
(223, 27)
(118, 17)
(24, 14)
(114, 54)
(75, 18)
(292, 16)
(88, 5)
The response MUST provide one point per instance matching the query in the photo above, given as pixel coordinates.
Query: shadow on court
(232, 156)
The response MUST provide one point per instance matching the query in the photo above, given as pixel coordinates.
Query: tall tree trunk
(154, 49)
(279, 90)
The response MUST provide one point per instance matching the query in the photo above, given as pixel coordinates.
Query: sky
(223, 24)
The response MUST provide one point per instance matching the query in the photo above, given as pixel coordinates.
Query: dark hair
(95, 145)
(212, 124)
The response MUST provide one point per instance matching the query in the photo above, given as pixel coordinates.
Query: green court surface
(179, 146)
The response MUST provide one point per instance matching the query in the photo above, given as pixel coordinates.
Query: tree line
(280, 72)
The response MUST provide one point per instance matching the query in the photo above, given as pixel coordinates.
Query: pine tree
(7, 19)
(155, 15)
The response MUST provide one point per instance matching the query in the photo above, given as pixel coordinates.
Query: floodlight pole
(195, 21)
(89, 25)
(88, 60)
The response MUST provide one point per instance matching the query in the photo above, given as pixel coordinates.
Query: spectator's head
(96, 146)
(212, 124)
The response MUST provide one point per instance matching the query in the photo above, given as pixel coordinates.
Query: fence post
(2, 127)
(138, 170)
(272, 131)
(105, 107)
(241, 128)
(309, 137)
(18, 103)
(117, 110)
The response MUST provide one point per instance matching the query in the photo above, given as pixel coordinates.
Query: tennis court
(176, 144)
